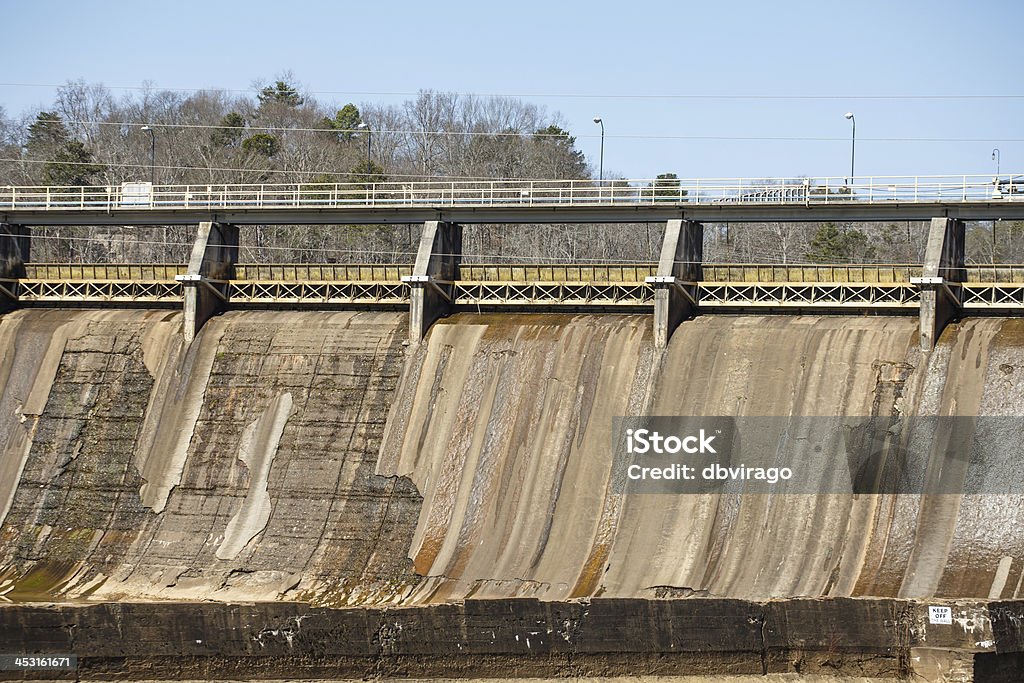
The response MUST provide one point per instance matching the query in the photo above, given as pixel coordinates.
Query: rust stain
(593, 569)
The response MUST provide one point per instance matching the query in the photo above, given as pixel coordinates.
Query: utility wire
(360, 178)
(554, 95)
(505, 134)
(354, 174)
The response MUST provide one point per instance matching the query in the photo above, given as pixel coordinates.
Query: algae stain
(43, 581)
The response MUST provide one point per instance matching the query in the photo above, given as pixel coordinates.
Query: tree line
(280, 134)
(90, 137)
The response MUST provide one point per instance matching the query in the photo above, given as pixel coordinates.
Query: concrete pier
(679, 269)
(15, 241)
(214, 255)
(944, 268)
(437, 266)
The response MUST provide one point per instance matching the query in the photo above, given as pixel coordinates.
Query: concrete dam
(413, 471)
(310, 456)
(313, 458)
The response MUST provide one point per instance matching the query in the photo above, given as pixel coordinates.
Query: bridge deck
(523, 201)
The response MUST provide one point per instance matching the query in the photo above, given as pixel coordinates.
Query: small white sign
(940, 615)
(136, 194)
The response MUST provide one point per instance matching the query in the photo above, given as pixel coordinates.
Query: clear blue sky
(611, 50)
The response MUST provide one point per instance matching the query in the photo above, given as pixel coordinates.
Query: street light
(152, 180)
(369, 139)
(853, 141)
(598, 120)
(152, 154)
(995, 158)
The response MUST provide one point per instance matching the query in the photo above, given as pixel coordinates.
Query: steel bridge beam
(705, 212)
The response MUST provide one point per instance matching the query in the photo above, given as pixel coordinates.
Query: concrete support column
(679, 269)
(214, 255)
(944, 268)
(15, 242)
(437, 266)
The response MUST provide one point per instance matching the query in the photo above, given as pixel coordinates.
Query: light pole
(600, 176)
(369, 139)
(152, 180)
(853, 142)
(995, 158)
(152, 154)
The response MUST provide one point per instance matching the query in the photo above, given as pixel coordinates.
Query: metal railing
(291, 293)
(330, 272)
(723, 286)
(809, 272)
(812, 295)
(104, 271)
(155, 292)
(995, 273)
(542, 272)
(553, 294)
(520, 193)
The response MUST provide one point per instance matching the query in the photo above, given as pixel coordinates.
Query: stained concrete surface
(313, 457)
(503, 424)
(519, 637)
(153, 468)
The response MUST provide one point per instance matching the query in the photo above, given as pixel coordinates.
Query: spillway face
(504, 425)
(311, 456)
(75, 392)
(239, 468)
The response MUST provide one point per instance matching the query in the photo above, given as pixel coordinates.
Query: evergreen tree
(368, 172)
(665, 188)
(555, 153)
(830, 244)
(231, 131)
(346, 122)
(280, 92)
(262, 144)
(46, 135)
(72, 164)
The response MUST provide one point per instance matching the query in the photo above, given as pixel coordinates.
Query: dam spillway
(315, 458)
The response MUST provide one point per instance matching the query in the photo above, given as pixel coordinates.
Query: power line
(298, 129)
(564, 95)
(357, 175)
(505, 134)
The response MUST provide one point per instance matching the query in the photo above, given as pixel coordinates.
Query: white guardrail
(519, 193)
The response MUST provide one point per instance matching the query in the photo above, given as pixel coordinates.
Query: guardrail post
(212, 264)
(15, 243)
(675, 285)
(944, 268)
(437, 267)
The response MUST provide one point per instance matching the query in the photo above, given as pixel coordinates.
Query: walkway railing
(810, 272)
(104, 271)
(723, 286)
(521, 193)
